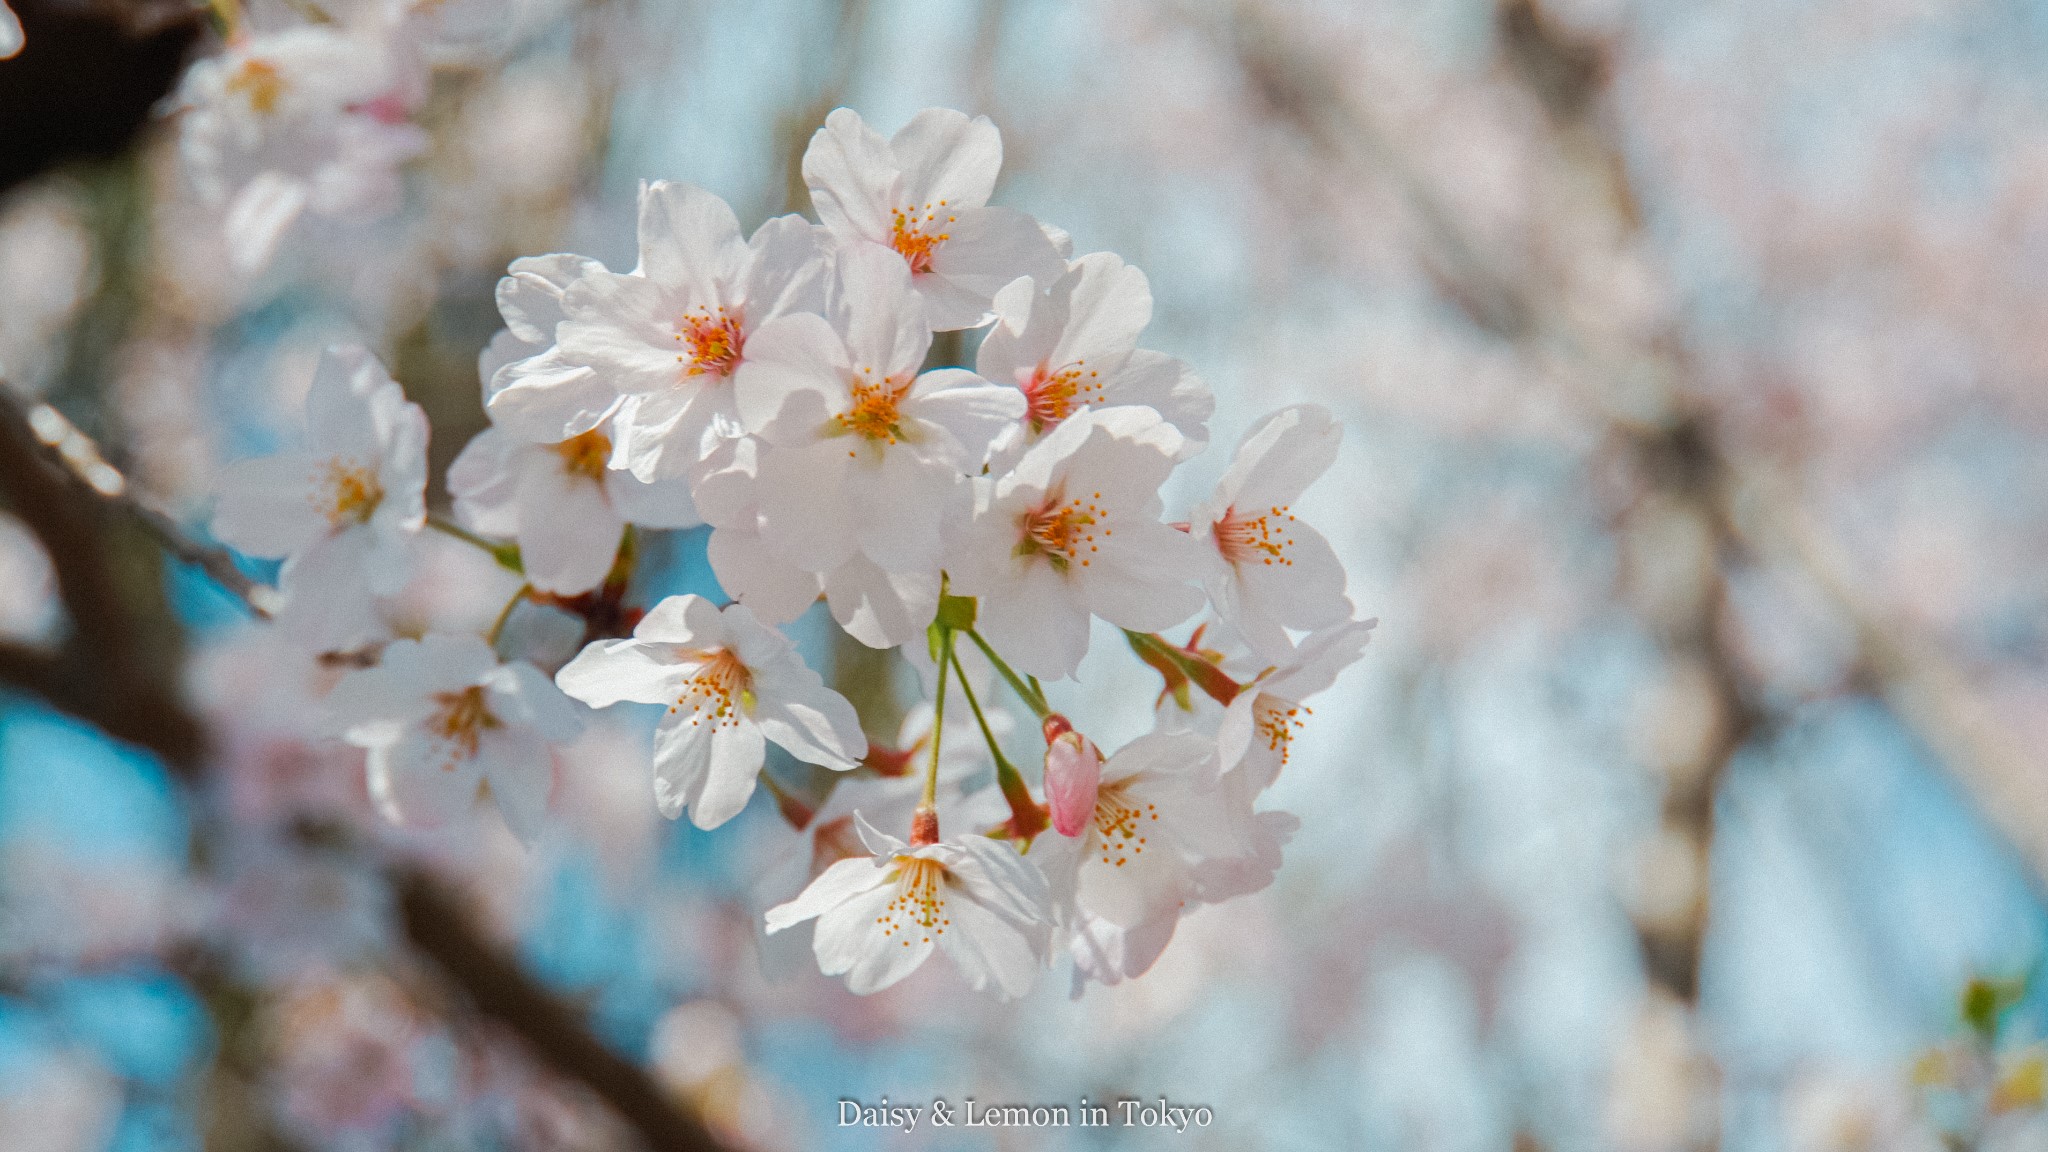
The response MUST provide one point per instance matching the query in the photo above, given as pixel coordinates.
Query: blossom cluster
(779, 390)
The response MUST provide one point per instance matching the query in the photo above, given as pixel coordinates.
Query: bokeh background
(1693, 360)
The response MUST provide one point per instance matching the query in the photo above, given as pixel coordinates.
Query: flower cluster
(779, 389)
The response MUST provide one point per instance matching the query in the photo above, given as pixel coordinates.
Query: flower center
(916, 234)
(919, 907)
(876, 412)
(1276, 721)
(1064, 530)
(586, 455)
(1052, 396)
(459, 722)
(712, 341)
(1120, 823)
(348, 492)
(1264, 538)
(719, 692)
(260, 82)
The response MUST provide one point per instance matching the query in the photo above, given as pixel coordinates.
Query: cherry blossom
(730, 685)
(1271, 571)
(1259, 726)
(669, 336)
(529, 389)
(863, 455)
(923, 194)
(1075, 345)
(1074, 531)
(343, 510)
(308, 120)
(441, 717)
(881, 915)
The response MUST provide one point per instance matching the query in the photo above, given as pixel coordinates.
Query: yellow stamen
(459, 723)
(347, 492)
(586, 455)
(260, 82)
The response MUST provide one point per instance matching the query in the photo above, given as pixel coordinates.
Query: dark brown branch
(499, 988)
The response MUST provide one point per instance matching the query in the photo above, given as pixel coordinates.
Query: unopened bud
(1073, 773)
(924, 828)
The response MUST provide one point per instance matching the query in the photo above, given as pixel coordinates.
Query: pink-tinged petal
(849, 942)
(530, 293)
(852, 177)
(660, 504)
(485, 484)
(873, 306)
(608, 672)
(793, 379)
(878, 608)
(520, 768)
(568, 533)
(810, 721)
(271, 506)
(690, 241)
(1035, 624)
(945, 156)
(259, 215)
(774, 588)
(415, 782)
(688, 620)
(1073, 772)
(786, 270)
(1109, 304)
(834, 886)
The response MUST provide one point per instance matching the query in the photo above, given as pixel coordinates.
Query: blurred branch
(498, 987)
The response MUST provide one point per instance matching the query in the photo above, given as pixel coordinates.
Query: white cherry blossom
(1074, 531)
(880, 916)
(730, 685)
(1075, 345)
(923, 194)
(441, 717)
(308, 120)
(529, 389)
(342, 511)
(669, 336)
(862, 456)
(1259, 726)
(10, 32)
(1270, 572)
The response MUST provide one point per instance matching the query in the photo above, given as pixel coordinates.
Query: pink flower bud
(1073, 771)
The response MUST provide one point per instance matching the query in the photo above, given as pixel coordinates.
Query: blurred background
(1693, 359)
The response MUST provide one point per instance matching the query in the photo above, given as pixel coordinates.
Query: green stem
(505, 614)
(1027, 692)
(504, 552)
(1025, 814)
(931, 776)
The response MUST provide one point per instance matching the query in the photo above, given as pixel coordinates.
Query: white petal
(848, 940)
(530, 293)
(1109, 305)
(521, 771)
(328, 604)
(874, 308)
(624, 327)
(852, 176)
(786, 270)
(775, 589)
(689, 240)
(688, 619)
(878, 608)
(258, 216)
(661, 504)
(793, 379)
(522, 694)
(812, 722)
(415, 782)
(607, 672)
(485, 484)
(269, 506)
(833, 887)
(568, 531)
(989, 949)
(1035, 624)
(945, 156)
